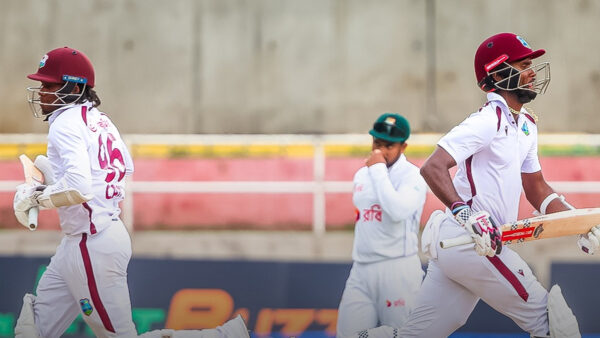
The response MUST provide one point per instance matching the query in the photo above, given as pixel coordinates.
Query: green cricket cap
(391, 127)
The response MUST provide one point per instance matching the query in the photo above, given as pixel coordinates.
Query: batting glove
(483, 230)
(25, 199)
(590, 242)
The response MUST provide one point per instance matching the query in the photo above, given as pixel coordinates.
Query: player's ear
(76, 90)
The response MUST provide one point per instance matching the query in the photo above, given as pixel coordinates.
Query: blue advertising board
(278, 299)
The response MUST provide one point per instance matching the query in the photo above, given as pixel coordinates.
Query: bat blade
(32, 176)
(559, 224)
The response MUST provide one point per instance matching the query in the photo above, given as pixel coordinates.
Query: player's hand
(590, 242)
(375, 157)
(483, 230)
(25, 199)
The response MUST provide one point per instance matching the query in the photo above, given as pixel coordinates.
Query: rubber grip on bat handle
(456, 241)
(33, 218)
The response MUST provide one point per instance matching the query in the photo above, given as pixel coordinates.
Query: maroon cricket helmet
(65, 64)
(500, 48)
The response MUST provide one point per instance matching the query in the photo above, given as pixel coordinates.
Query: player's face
(528, 75)
(48, 97)
(391, 151)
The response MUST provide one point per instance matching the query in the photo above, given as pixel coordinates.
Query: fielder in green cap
(389, 195)
(390, 132)
(391, 127)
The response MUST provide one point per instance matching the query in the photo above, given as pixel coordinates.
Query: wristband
(456, 204)
(459, 208)
(547, 201)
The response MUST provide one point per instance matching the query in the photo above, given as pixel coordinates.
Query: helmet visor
(511, 78)
(61, 99)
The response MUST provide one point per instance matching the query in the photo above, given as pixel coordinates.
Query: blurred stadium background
(247, 121)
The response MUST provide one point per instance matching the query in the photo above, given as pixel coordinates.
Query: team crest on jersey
(43, 61)
(86, 307)
(523, 42)
(525, 128)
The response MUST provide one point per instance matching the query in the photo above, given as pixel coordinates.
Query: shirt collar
(60, 110)
(491, 97)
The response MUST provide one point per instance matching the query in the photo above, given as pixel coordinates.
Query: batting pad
(563, 323)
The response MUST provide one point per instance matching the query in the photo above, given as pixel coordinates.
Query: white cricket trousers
(87, 275)
(379, 293)
(458, 278)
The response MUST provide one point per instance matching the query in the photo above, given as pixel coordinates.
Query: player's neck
(513, 103)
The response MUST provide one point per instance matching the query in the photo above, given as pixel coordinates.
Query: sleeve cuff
(378, 170)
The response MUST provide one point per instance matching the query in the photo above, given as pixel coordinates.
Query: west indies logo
(86, 307)
(525, 129)
(43, 61)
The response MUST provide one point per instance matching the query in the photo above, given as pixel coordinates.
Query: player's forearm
(539, 194)
(403, 203)
(439, 181)
(436, 172)
(398, 204)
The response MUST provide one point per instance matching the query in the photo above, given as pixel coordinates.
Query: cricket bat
(32, 176)
(564, 223)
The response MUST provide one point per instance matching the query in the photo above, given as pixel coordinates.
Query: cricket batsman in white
(495, 149)
(389, 195)
(497, 155)
(87, 163)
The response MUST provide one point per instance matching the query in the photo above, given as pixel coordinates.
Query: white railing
(318, 186)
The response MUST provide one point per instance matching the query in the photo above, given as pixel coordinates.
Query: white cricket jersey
(389, 203)
(88, 154)
(492, 150)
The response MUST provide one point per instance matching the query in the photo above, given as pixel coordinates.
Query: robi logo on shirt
(395, 303)
(373, 214)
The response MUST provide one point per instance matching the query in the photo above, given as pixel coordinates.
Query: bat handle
(456, 241)
(33, 218)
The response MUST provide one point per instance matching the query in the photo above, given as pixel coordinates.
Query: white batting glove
(25, 199)
(483, 230)
(590, 242)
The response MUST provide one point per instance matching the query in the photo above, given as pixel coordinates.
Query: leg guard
(235, 328)
(561, 320)
(26, 324)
